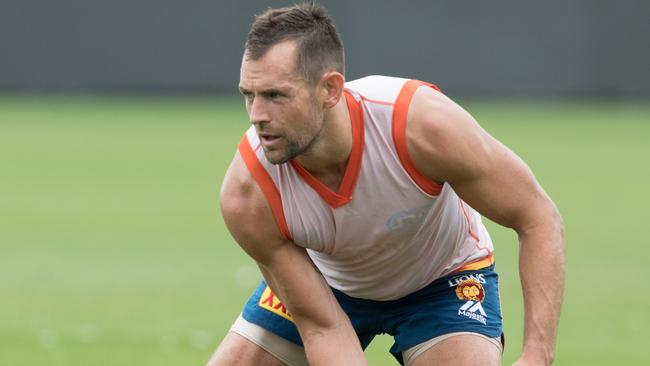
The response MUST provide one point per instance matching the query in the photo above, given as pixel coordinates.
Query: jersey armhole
(265, 182)
(400, 112)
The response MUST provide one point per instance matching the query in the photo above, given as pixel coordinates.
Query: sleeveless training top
(388, 231)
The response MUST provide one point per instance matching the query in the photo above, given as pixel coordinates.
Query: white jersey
(388, 231)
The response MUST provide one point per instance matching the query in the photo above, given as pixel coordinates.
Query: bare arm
(447, 145)
(324, 328)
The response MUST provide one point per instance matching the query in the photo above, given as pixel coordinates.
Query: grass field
(112, 249)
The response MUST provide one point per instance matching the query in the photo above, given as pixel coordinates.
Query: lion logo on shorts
(470, 289)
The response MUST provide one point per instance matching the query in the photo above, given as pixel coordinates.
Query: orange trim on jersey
(399, 136)
(469, 223)
(344, 194)
(265, 182)
(376, 101)
(477, 264)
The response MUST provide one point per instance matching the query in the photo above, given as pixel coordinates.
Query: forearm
(541, 269)
(337, 345)
(326, 331)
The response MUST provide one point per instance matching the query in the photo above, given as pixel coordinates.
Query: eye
(274, 95)
(248, 96)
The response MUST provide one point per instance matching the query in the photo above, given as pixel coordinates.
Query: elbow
(556, 222)
(555, 239)
(545, 223)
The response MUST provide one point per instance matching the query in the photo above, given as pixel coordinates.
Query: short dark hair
(319, 46)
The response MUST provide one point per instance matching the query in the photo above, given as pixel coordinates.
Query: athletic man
(360, 203)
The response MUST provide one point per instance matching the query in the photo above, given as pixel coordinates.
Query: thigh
(460, 350)
(250, 344)
(465, 302)
(238, 350)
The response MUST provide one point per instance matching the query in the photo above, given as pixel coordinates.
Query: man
(360, 204)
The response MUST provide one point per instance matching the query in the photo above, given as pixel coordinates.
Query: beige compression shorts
(294, 355)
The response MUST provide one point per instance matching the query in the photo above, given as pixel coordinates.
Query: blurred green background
(113, 251)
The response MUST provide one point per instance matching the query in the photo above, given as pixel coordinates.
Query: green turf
(112, 250)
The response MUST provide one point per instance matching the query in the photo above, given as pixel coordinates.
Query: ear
(332, 85)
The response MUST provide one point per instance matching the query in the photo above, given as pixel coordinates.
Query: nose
(258, 113)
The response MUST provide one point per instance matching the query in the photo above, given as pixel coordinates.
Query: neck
(331, 151)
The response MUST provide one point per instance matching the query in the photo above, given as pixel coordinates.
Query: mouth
(268, 138)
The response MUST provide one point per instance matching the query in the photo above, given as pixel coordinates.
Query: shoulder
(375, 79)
(377, 87)
(238, 193)
(444, 140)
(246, 212)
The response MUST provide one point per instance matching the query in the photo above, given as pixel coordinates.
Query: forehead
(276, 68)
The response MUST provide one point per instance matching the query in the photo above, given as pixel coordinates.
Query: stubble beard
(297, 147)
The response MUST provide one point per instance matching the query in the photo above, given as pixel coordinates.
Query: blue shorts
(465, 301)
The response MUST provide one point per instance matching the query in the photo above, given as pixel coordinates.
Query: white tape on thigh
(412, 353)
(282, 349)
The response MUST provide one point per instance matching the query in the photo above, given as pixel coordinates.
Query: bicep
(448, 145)
(503, 189)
